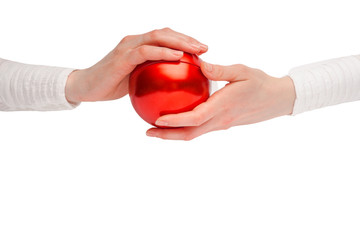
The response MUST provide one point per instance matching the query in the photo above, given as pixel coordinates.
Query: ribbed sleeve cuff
(326, 83)
(33, 87)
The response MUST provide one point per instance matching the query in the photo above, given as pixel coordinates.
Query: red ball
(158, 88)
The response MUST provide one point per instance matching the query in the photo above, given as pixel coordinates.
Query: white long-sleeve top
(326, 83)
(32, 87)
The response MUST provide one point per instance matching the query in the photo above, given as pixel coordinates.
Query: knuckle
(239, 66)
(155, 34)
(166, 29)
(143, 50)
(242, 68)
(164, 52)
(219, 71)
(126, 39)
(198, 119)
(191, 40)
(117, 51)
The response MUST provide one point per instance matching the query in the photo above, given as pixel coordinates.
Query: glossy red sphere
(157, 88)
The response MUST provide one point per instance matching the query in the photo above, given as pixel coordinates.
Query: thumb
(230, 73)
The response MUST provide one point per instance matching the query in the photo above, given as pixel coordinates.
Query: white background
(91, 173)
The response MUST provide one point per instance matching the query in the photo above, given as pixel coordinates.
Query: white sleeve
(326, 83)
(32, 87)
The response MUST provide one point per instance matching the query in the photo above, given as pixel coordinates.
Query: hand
(108, 79)
(250, 96)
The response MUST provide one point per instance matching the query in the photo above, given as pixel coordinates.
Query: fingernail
(150, 134)
(208, 66)
(161, 123)
(178, 53)
(203, 47)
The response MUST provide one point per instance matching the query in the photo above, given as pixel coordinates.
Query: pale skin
(250, 96)
(108, 79)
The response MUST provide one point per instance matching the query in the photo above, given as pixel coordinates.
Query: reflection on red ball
(157, 88)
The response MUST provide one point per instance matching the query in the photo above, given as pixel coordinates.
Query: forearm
(326, 83)
(32, 87)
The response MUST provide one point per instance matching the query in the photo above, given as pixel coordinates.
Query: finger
(186, 133)
(173, 40)
(232, 73)
(186, 37)
(169, 38)
(203, 47)
(199, 115)
(218, 122)
(146, 52)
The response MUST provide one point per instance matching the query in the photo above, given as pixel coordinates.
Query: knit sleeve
(32, 87)
(326, 83)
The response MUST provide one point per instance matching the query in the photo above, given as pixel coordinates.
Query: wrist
(287, 94)
(72, 88)
(282, 96)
